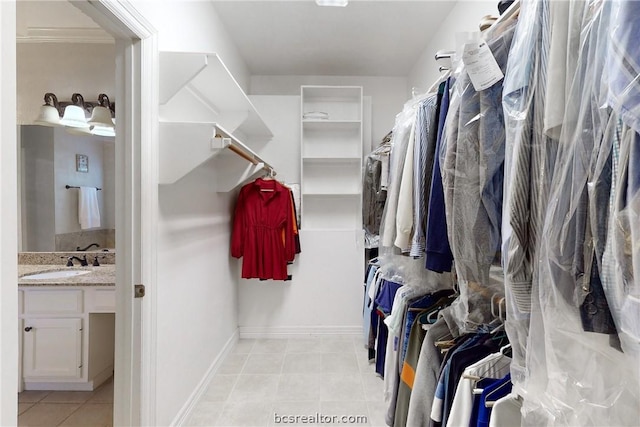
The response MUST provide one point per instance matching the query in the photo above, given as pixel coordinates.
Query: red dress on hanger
(263, 230)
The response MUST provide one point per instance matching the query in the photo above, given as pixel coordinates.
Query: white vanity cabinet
(67, 337)
(52, 348)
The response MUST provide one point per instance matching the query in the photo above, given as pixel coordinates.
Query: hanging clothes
(264, 230)
(472, 161)
(374, 192)
(438, 252)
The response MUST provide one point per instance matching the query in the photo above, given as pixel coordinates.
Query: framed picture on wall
(82, 163)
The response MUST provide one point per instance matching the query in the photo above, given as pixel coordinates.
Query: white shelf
(198, 93)
(332, 93)
(185, 146)
(199, 87)
(331, 142)
(331, 166)
(354, 160)
(328, 178)
(333, 212)
(345, 194)
(323, 125)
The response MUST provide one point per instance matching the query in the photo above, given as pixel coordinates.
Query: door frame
(136, 199)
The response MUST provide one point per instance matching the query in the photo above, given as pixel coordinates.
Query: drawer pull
(28, 328)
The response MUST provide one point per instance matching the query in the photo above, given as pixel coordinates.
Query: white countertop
(104, 275)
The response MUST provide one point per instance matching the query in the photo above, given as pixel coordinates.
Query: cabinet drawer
(53, 301)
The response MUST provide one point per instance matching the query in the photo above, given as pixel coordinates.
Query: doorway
(135, 158)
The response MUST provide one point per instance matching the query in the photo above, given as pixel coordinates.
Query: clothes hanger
(489, 403)
(268, 176)
(483, 374)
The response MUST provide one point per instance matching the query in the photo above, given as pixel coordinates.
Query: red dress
(263, 230)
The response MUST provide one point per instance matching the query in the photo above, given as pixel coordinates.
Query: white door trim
(136, 183)
(8, 218)
(136, 208)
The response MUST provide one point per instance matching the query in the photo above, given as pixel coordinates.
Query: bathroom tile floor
(67, 408)
(270, 382)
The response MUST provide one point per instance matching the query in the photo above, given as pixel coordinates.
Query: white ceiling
(297, 37)
(284, 37)
(56, 21)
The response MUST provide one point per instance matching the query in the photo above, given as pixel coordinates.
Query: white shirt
(495, 365)
(404, 216)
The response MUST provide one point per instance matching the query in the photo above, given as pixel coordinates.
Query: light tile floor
(67, 408)
(265, 378)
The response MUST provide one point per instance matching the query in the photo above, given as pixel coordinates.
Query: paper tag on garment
(481, 65)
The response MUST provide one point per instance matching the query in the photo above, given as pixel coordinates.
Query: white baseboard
(59, 385)
(103, 376)
(183, 415)
(257, 332)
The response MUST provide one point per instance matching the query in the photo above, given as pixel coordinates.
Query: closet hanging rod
(511, 11)
(442, 54)
(74, 186)
(239, 148)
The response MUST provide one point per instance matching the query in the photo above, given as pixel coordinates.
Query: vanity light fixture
(74, 118)
(49, 114)
(101, 122)
(74, 115)
(339, 3)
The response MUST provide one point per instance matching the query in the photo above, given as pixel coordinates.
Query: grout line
(77, 409)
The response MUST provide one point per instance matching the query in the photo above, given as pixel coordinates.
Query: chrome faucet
(82, 250)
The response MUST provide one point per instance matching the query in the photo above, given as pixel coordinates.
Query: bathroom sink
(55, 274)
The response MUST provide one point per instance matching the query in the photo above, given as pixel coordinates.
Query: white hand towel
(88, 209)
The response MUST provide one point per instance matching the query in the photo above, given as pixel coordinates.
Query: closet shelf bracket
(233, 173)
(186, 146)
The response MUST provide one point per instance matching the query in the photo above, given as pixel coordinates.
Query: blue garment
(623, 62)
(485, 382)
(633, 184)
(439, 256)
(423, 154)
(366, 306)
(497, 390)
(424, 302)
(384, 304)
(381, 347)
(443, 380)
(384, 300)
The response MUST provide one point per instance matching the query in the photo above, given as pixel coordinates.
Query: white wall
(109, 184)
(388, 94)
(193, 26)
(282, 115)
(37, 192)
(197, 279)
(197, 286)
(464, 17)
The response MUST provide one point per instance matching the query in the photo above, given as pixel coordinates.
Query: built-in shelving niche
(198, 98)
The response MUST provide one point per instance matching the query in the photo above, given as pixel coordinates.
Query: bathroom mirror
(51, 158)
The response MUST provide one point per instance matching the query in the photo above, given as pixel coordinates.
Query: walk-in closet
(350, 212)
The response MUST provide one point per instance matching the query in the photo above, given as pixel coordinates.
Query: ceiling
(371, 38)
(284, 37)
(56, 21)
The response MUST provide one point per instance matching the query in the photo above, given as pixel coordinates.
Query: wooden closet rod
(242, 154)
(241, 149)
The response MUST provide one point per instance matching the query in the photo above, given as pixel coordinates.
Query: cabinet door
(52, 348)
